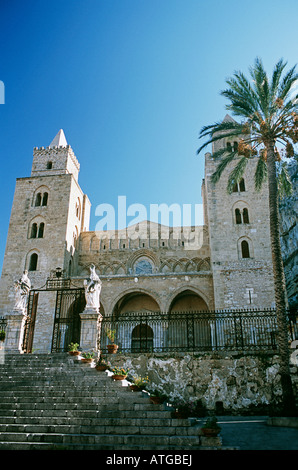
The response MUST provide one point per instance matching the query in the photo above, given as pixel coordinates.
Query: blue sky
(131, 82)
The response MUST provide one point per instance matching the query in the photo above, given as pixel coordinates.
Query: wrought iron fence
(245, 330)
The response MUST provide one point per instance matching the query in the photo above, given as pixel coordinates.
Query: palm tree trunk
(279, 286)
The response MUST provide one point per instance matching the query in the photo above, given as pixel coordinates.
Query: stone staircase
(52, 401)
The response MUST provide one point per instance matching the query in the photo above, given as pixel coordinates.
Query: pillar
(90, 329)
(15, 330)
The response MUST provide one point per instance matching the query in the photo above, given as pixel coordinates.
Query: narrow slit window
(38, 200)
(245, 249)
(33, 233)
(245, 216)
(45, 199)
(238, 216)
(41, 230)
(33, 262)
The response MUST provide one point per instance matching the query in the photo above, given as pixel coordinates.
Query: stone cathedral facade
(229, 265)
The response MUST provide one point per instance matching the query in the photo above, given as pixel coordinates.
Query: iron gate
(67, 323)
(30, 321)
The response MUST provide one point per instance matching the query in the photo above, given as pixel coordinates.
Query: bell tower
(238, 226)
(48, 214)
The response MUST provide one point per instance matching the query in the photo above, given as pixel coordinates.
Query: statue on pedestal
(22, 289)
(92, 290)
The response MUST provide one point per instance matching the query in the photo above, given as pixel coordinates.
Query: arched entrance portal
(134, 319)
(137, 302)
(188, 301)
(67, 322)
(190, 326)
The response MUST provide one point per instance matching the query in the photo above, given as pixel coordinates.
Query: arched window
(229, 146)
(235, 147)
(241, 217)
(238, 216)
(49, 165)
(142, 338)
(41, 197)
(245, 249)
(38, 200)
(33, 233)
(41, 230)
(239, 187)
(45, 199)
(33, 262)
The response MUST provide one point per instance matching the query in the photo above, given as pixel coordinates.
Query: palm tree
(268, 131)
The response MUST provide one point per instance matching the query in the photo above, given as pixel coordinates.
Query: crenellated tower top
(56, 159)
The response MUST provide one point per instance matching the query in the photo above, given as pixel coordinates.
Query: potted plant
(87, 357)
(211, 428)
(139, 383)
(102, 364)
(119, 373)
(73, 349)
(112, 348)
(157, 397)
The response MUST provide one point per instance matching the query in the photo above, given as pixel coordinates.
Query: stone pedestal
(90, 329)
(15, 330)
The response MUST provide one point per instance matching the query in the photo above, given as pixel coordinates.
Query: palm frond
(276, 75)
(221, 166)
(260, 173)
(284, 182)
(287, 83)
(237, 173)
(218, 132)
(261, 85)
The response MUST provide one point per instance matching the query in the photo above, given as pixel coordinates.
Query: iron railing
(242, 330)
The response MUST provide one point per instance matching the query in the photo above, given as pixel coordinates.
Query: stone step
(96, 421)
(52, 401)
(102, 412)
(103, 426)
(114, 441)
(116, 407)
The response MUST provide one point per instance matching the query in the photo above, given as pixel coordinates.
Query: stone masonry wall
(239, 382)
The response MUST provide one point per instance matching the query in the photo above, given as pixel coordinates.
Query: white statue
(22, 289)
(92, 289)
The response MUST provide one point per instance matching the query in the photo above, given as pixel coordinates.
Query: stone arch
(190, 266)
(143, 253)
(178, 267)
(241, 213)
(33, 260)
(245, 248)
(136, 300)
(36, 227)
(40, 196)
(165, 267)
(186, 296)
(204, 265)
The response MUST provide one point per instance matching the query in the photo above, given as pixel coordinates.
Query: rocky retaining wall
(231, 383)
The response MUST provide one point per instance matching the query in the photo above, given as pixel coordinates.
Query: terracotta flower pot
(74, 353)
(156, 400)
(86, 360)
(119, 377)
(102, 367)
(135, 388)
(210, 432)
(112, 348)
